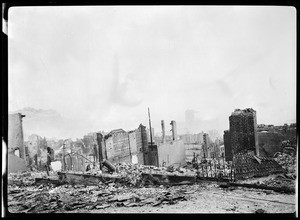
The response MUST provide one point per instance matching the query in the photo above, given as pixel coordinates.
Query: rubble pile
(50, 198)
(286, 180)
(24, 178)
(287, 161)
(131, 174)
(248, 166)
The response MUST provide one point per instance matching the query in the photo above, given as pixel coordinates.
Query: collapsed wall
(247, 165)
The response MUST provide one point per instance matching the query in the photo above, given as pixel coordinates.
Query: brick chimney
(174, 130)
(163, 131)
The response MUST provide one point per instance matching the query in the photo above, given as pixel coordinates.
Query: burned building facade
(227, 145)
(15, 134)
(244, 147)
(205, 145)
(171, 152)
(122, 146)
(117, 145)
(243, 131)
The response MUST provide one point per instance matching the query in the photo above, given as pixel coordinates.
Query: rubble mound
(287, 161)
(25, 178)
(134, 174)
(249, 165)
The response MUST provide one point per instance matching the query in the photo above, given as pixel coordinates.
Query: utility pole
(150, 127)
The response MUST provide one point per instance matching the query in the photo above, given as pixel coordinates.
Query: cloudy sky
(101, 67)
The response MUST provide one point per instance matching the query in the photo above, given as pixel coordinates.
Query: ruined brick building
(263, 140)
(227, 145)
(243, 131)
(122, 146)
(242, 141)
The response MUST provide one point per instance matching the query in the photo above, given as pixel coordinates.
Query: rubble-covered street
(205, 197)
(35, 192)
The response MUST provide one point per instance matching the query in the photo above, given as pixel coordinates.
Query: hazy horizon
(101, 67)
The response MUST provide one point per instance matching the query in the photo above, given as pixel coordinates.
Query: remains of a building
(242, 141)
(227, 146)
(171, 152)
(243, 131)
(132, 147)
(205, 145)
(272, 139)
(16, 148)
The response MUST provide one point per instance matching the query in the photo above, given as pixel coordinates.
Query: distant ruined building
(242, 148)
(243, 131)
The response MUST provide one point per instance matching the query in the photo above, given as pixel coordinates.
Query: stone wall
(243, 130)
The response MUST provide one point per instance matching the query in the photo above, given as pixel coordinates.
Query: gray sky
(101, 67)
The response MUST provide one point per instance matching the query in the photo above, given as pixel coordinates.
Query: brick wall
(243, 130)
(227, 145)
(120, 146)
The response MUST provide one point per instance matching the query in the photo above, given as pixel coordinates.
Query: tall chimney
(174, 130)
(163, 131)
(100, 147)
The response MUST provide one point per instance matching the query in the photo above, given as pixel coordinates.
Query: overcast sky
(101, 67)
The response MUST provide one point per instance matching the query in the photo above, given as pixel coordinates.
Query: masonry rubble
(27, 196)
(137, 175)
(135, 185)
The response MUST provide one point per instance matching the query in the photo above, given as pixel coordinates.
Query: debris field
(139, 188)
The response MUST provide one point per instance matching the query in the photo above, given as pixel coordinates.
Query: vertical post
(224, 166)
(63, 156)
(150, 126)
(218, 165)
(129, 148)
(231, 172)
(215, 168)
(174, 130)
(163, 131)
(99, 142)
(77, 160)
(104, 144)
